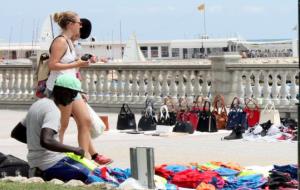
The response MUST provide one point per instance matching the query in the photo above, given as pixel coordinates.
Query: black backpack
(12, 166)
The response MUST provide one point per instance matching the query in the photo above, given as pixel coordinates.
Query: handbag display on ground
(219, 111)
(126, 118)
(237, 118)
(253, 113)
(148, 120)
(98, 125)
(207, 121)
(270, 113)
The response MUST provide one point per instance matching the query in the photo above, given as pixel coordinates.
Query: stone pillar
(223, 81)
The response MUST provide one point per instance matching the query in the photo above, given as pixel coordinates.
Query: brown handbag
(220, 112)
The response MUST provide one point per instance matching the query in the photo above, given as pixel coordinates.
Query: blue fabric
(226, 171)
(170, 186)
(67, 169)
(245, 182)
(176, 168)
(121, 175)
(292, 170)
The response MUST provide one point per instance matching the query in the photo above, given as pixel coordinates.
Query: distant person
(63, 59)
(42, 123)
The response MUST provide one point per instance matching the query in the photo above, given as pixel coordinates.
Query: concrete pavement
(177, 148)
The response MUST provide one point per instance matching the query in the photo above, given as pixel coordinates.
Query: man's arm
(19, 133)
(48, 141)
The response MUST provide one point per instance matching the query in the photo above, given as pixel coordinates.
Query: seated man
(42, 123)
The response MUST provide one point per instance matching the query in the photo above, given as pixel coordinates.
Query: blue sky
(156, 19)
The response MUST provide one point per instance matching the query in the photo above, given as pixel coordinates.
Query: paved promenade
(177, 148)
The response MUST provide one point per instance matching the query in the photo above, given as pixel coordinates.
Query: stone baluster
(266, 89)
(3, 83)
(205, 89)
(127, 87)
(92, 86)
(274, 89)
(106, 93)
(18, 84)
(23, 86)
(283, 90)
(248, 87)
(135, 90)
(142, 87)
(293, 89)
(84, 81)
(240, 87)
(164, 87)
(99, 93)
(181, 87)
(189, 87)
(113, 90)
(150, 89)
(120, 87)
(157, 87)
(173, 86)
(13, 78)
(257, 88)
(30, 95)
(197, 87)
(10, 85)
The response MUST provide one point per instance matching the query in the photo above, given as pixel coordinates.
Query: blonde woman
(63, 60)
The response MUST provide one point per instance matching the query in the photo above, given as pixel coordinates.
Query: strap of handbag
(125, 109)
(236, 104)
(162, 108)
(269, 107)
(219, 99)
(251, 100)
(183, 104)
(205, 106)
(168, 102)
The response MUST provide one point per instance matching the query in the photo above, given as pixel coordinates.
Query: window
(154, 51)
(175, 52)
(164, 51)
(144, 50)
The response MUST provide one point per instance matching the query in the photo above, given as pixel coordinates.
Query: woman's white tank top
(69, 57)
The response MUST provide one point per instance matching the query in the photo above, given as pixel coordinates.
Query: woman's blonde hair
(64, 18)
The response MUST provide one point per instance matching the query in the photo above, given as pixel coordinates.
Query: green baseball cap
(68, 81)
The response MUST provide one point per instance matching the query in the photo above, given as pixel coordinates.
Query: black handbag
(126, 119)
(165, 117)
(207, 120)
(148, 120)
(183, 127)
(12, 166)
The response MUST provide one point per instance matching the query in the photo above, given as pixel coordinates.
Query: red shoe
(102, 160)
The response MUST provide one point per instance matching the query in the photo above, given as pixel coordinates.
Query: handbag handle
(167, 100)
(124, 110)
(267, 106)
(164, 107)
(198, 101)
(236, 106)
(248, 100)
(180, 101)
(219, 98)
(204, 107)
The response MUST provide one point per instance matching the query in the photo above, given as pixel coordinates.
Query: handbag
(270, 113)
(148, 120)
(220, 113)
(207, 120)
(194, 112)
(98, 125)
(236, 116)
(253, 114)
(164, 117)
(126, 119)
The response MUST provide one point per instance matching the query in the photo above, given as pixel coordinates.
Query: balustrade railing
(265, 80)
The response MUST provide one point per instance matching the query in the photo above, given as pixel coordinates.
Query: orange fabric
(204, 186)
(229, 165)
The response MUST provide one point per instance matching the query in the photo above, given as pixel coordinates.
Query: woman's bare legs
(64, 120)
(83, 120)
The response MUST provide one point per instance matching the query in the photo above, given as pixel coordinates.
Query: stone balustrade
(110, 85)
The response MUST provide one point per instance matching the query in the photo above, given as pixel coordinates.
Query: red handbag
(253, 114)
